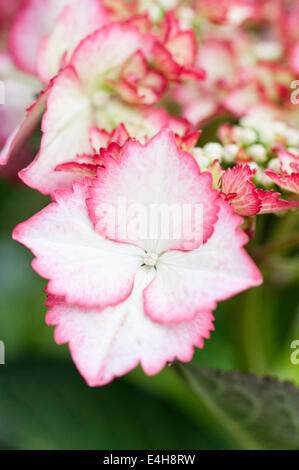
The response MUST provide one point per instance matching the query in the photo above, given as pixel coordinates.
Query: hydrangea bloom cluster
(122, 89)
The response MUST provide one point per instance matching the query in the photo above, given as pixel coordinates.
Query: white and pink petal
(65, 127)
(34, 20)
(271, 202)
(190, 282)
(76, 21)
(106, 344)
(289, 163)
(102, 54)
(237, 187)
(81, 265)
(146, 182)
(287, 182)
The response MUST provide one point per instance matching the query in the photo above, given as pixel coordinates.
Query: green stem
(252, 320)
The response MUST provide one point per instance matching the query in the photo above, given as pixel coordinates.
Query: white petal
(65, 126)
(74, 23)
(81, 265)
(107, 344)
(189, 282)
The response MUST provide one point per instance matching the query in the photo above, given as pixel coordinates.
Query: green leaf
(47, 405)
(258, 413)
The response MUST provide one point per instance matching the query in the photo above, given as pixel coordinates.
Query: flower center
(150, 259)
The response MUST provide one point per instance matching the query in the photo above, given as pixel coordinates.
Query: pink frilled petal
(155, 81)
(83, 169)
(287, 182)
(65, 127)
(294, 57)
(32, 22)
(183, 48)
(136, 66)
(165, 62)
(19, 90)
(190, 282)
(137, 71)
(102, 144)
(156, 176)
(100, 138)
(75, 22)
(175, 55)
(83, 165)
(188, 141)
(109, 343)
(271, 202)
(139, 83)
(237, 187)
(170, 27)
(119, 135)
(192, 73)
(289, 163)
(81, 265)
(175, 67)
(133, 94)
(158, 119)
(106, 51)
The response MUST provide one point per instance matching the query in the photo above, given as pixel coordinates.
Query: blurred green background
(45, 404)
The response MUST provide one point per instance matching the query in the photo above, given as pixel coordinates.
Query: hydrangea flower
(126, 297)
(95, 89)
(128, 285)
